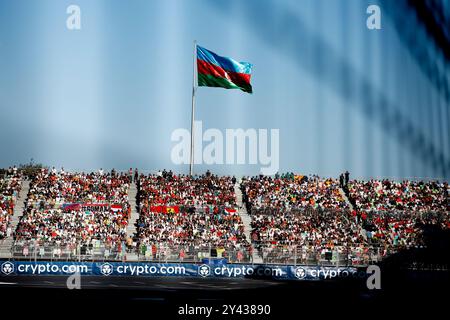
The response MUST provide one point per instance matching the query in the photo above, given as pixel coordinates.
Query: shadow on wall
(434, 25)
(292, 38)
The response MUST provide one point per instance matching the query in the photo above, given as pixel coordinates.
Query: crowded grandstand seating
(167, 188)
(306, 231)
(306, 227)
(189, 212)
(70, 209)
(291, 212)
(182, 217)
(299, 216)
(394, 213)
(387, 195)
(10, 186)
(292, 192)
(401, 229)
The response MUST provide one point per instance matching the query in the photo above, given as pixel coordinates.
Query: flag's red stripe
(216, 71)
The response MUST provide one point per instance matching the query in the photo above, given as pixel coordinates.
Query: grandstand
(105, 222)
(191, 215)
(66, 211)
(293, 218)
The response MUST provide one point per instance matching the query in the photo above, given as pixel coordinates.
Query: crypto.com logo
(300, 273)
(204, 270)
(250, 144)
(106, 269)
(7, 268)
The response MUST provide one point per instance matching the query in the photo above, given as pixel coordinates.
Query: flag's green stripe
(206, 80)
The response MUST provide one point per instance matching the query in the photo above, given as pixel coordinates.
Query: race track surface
(102, 296)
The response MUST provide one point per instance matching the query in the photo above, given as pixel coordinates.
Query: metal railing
(158, 252)
(337, 256)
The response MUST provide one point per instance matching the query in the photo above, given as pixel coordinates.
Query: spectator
(347, 177)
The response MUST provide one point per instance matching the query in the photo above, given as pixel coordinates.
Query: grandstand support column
(6, 244)
(246, 220)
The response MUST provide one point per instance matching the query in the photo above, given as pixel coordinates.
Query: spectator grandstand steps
(5, 244)
(132, 194)
(246, 220)
(20, 206)
(238, 192)
(344, 196)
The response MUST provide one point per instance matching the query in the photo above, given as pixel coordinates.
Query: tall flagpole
(194, 74)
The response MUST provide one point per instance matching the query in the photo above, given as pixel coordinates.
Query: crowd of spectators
(307, 227)
(199, 211)
(401, 229)
(198, 227)
(70, 209)
(387, 195)
(10, 186)
(284, 193)
(290, 211)
(167, 188)
(180, 211)
(394, 213)
(310, 212)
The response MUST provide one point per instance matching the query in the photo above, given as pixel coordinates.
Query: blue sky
(110, 95)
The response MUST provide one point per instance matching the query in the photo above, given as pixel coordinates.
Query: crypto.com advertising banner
(178, 270)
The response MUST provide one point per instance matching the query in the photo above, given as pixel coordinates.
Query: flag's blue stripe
(223, 62)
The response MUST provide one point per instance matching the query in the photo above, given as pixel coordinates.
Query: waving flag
(116, 207)
(71, 206)
(165, 209)
(173, 209)
(217, 71)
